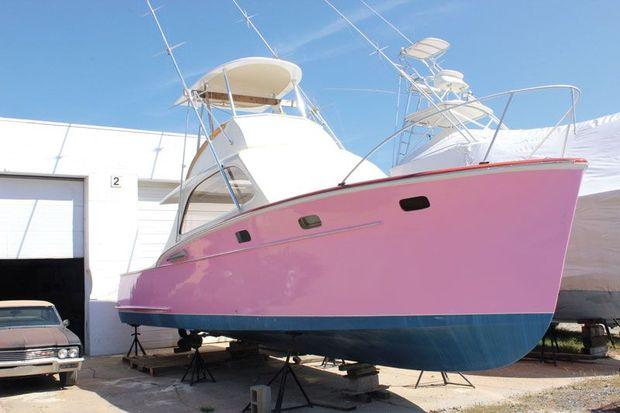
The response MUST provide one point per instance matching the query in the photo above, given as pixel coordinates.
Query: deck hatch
(415, 203)
(310, 221)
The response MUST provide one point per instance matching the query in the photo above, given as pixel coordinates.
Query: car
(35, 341)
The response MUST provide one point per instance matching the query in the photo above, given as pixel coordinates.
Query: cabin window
(243, 236)
(309, 221)
(415, 203)
(210, 199)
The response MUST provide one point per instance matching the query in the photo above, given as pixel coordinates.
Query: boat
(286, 239)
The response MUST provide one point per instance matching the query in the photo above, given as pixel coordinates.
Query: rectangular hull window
(310, 221)
(243, 236)
(415, 203)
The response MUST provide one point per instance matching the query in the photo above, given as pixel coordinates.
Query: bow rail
(575, 94)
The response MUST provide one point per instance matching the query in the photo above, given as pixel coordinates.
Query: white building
(79, 205)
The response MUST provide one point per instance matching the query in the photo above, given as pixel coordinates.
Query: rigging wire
(462, 129)
(314, 109)
(379, 15)
(191, 101)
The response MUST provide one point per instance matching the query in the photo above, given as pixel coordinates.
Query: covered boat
(430, 270)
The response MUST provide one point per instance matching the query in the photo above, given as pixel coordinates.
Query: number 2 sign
(115, 181)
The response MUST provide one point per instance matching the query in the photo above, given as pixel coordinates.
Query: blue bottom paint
(434, 343)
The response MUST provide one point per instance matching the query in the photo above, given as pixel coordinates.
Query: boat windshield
(210, 199)
(28, 317)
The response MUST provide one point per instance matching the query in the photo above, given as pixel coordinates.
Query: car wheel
(68, 379)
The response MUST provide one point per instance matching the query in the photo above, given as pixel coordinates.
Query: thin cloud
(364, 90)
(327, 53)
(361, 14)
(438, 10)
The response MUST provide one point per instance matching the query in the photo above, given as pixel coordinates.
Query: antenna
(248, 20)
(314, 110)
(379, 15)
(406, 75)
(191, 101)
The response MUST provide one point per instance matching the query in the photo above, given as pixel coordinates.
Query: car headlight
(73, 352)
(62, 353)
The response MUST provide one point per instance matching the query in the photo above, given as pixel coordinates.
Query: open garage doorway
(60, 281)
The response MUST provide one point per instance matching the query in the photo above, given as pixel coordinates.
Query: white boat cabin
(269, 147)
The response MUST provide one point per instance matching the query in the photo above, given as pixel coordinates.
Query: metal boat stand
(446, 380)
(608, 331)
(330, 360)
(555, 348)
(135, 343)
(283, 373)
(197, 369)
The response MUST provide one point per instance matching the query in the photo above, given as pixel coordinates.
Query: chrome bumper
(40, 366)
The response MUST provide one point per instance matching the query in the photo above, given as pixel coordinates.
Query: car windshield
(28, 316)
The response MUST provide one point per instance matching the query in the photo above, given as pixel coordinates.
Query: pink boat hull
(438, 288)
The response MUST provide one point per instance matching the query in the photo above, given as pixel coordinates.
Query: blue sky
(93, 62)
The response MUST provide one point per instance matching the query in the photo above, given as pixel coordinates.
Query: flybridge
(263, 127)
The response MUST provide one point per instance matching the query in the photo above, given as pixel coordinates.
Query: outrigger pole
(190, 99)
(379, 50)
(314, 109)
(386, 21)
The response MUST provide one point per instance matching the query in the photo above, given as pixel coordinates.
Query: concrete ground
(106, 384)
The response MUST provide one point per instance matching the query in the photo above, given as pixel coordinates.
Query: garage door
(41, 243)
(41, 218)
(154, 224)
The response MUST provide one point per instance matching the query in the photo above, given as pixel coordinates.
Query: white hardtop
(255, 83)
(429, 47)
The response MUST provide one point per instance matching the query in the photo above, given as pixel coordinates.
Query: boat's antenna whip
(386, 21)
(191, 101)
(379, 51)
(393, 27)
(248, 20)
(314, 108)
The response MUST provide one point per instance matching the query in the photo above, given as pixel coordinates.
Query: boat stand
(135, 343)
(330, 360)
(609, 335)
(197, 369)
(446, 380)
(282, 374)
(555, 348)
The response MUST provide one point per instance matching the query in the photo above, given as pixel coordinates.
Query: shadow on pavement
(133, 391)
